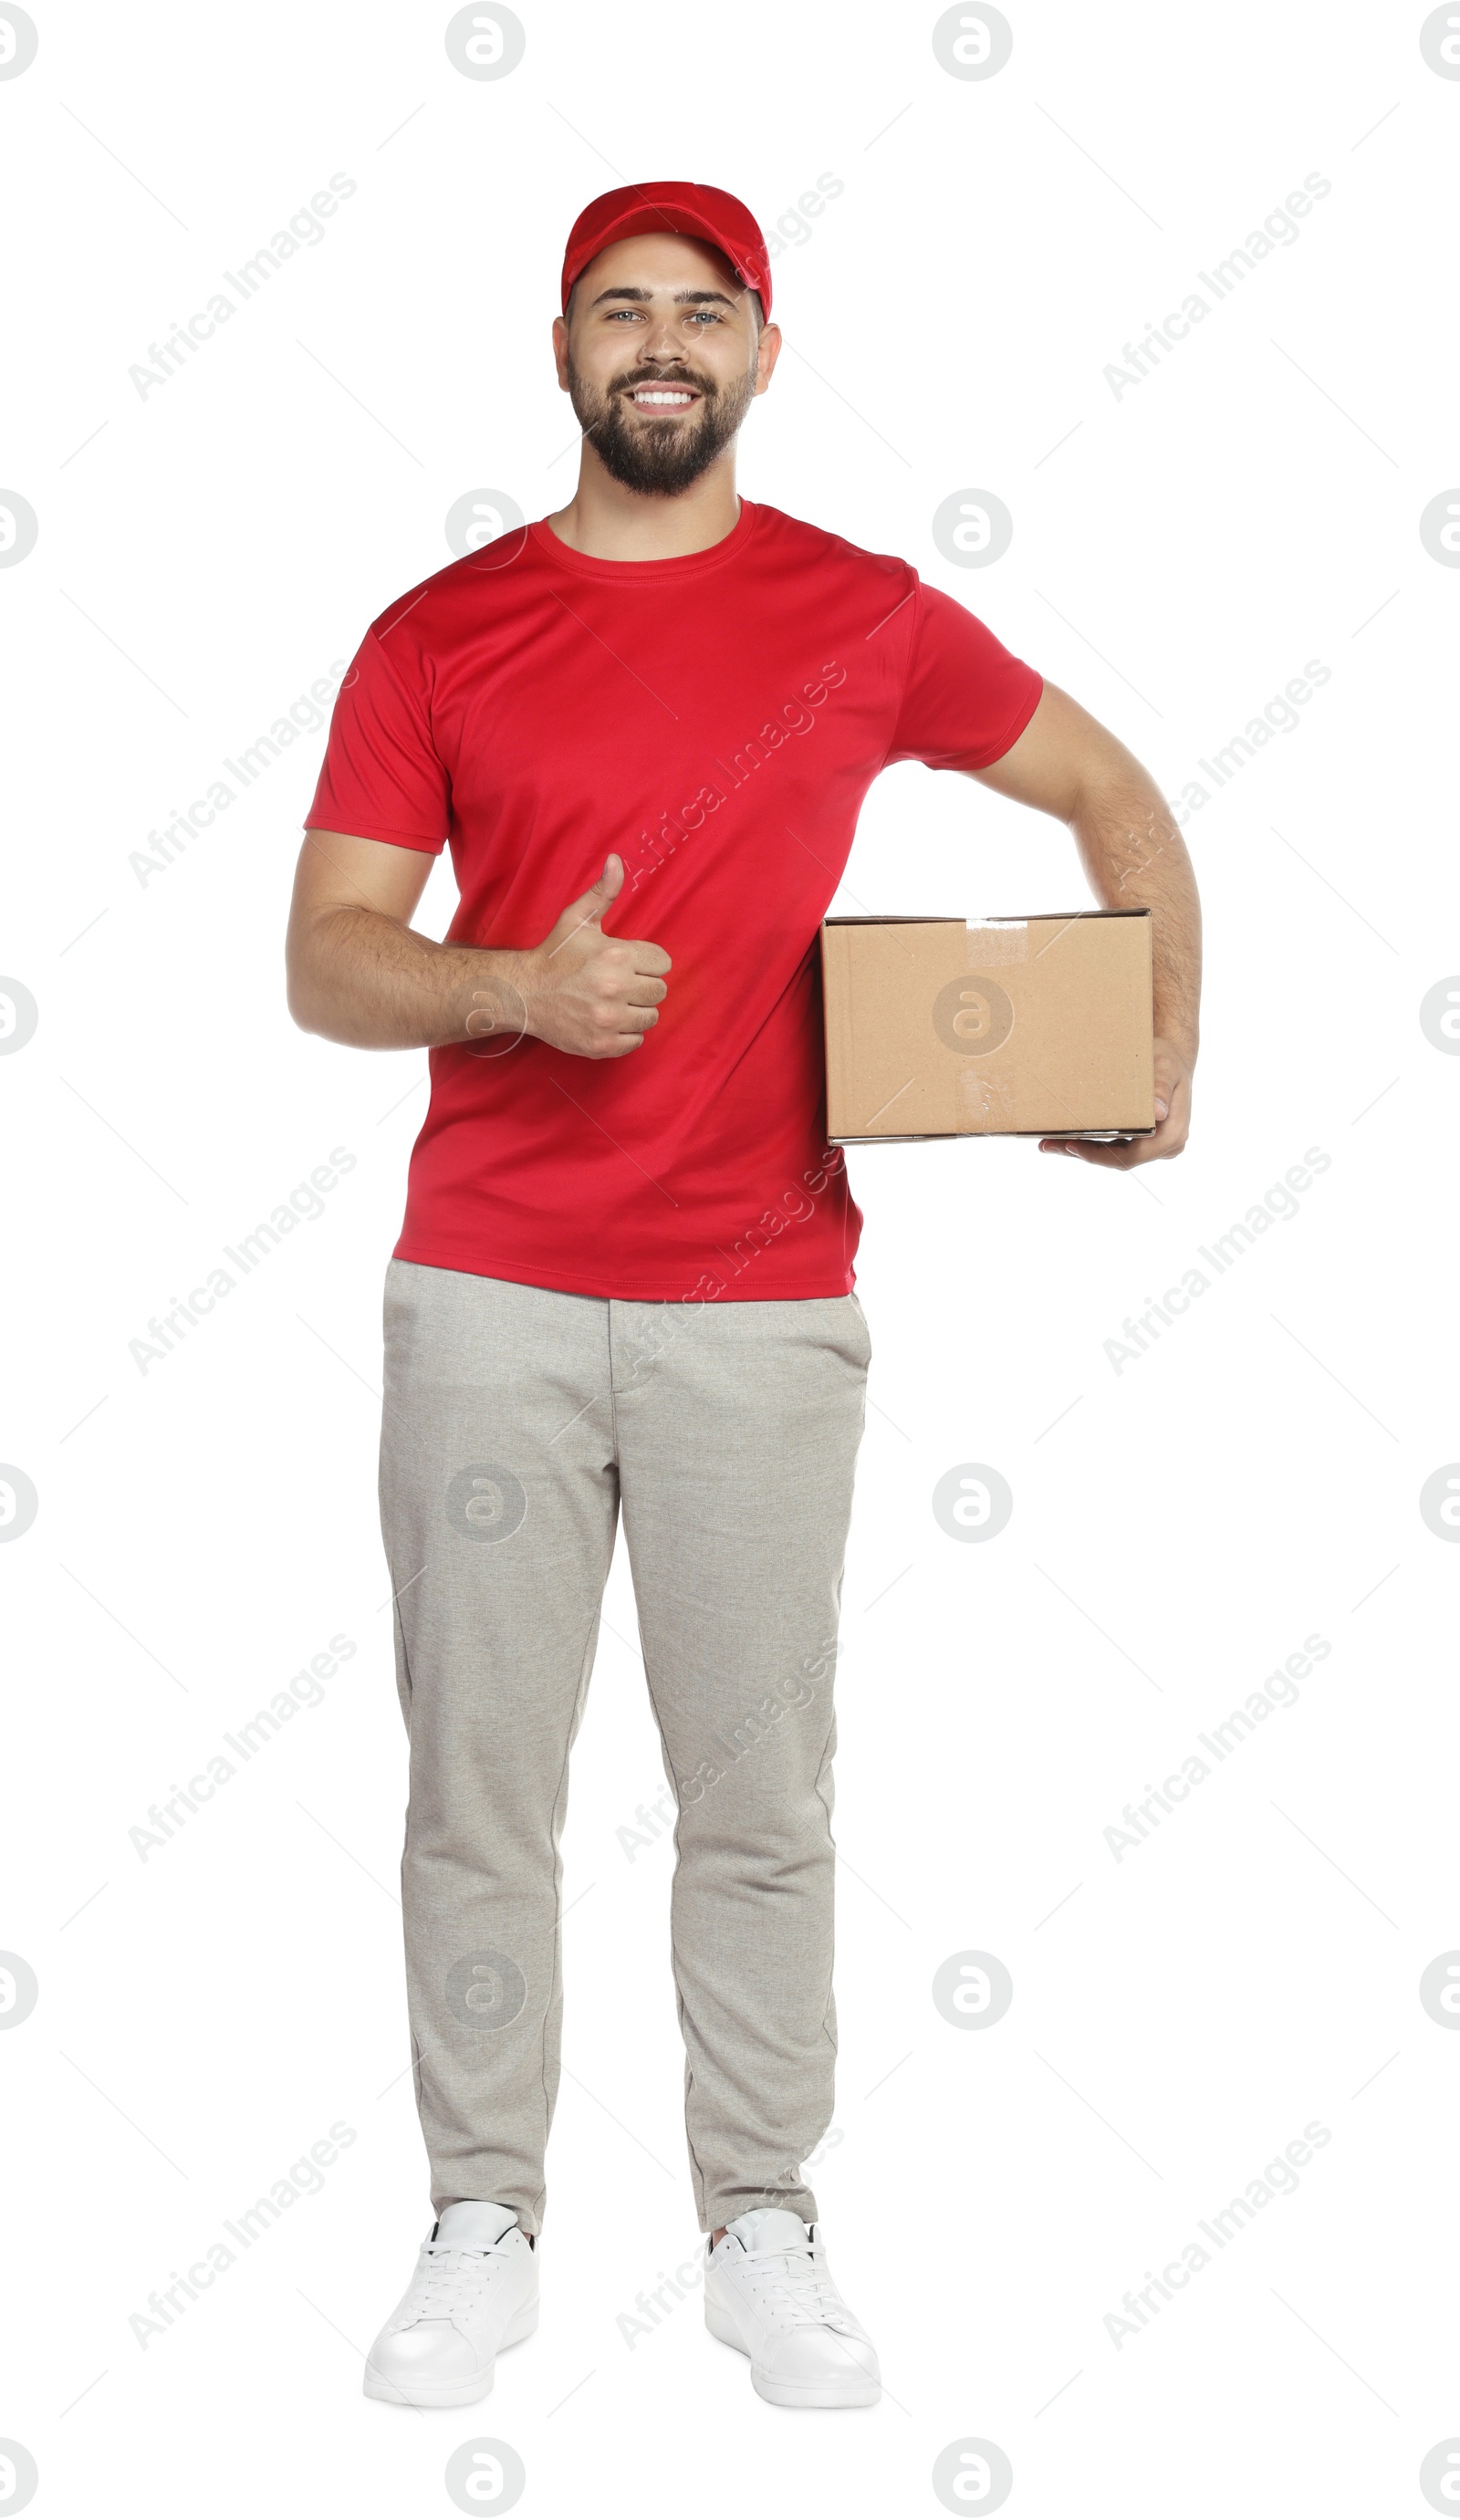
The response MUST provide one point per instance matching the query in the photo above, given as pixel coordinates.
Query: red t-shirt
(716, 719)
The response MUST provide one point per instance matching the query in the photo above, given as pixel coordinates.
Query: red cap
(671, 210)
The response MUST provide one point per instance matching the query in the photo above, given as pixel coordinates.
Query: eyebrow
(682, 296)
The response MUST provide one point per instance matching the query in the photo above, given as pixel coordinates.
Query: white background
(1180, 1527)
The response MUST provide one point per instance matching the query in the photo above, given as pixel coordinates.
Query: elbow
(302, 991)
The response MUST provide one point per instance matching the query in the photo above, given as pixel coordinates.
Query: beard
(659, 457)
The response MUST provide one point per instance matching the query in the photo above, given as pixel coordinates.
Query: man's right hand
(585, 992)
(358, 972)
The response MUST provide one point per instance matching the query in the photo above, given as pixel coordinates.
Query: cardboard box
(1008, 1027)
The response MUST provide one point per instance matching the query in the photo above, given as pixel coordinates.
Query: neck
(605, 520)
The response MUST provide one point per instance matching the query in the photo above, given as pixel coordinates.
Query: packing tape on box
(981, 1102)
(984, 1101)
(993, 941)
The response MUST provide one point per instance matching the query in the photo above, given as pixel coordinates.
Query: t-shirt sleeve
(965, 699)
(382, 779)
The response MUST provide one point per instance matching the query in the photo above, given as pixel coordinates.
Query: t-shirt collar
(561, 555)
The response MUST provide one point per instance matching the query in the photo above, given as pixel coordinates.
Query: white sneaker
(474, 2291)
(768, 2292)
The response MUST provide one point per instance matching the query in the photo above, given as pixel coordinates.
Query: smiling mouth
(663, 401)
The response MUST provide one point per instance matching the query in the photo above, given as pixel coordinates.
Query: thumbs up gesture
(594, 995)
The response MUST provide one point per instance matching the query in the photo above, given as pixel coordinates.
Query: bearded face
(657, 429)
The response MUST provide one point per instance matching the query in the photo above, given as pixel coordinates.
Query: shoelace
(450, 2279)
(809, 2289)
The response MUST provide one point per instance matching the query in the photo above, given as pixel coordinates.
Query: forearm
(1135, 858)
(359, 976)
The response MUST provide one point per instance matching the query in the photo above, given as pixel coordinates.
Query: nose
(662, 342)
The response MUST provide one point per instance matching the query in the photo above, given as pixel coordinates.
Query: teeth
(676, 402)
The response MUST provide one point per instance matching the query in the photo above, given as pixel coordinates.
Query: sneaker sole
(856, 2390)
(451, 2393)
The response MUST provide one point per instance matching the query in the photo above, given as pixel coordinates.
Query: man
(645, 724)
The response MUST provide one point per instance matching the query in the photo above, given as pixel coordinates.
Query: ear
(560, 352)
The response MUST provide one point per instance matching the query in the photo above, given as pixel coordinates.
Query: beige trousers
(517, 1420)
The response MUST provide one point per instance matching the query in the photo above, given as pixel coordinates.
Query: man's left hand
(1172, 1120)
